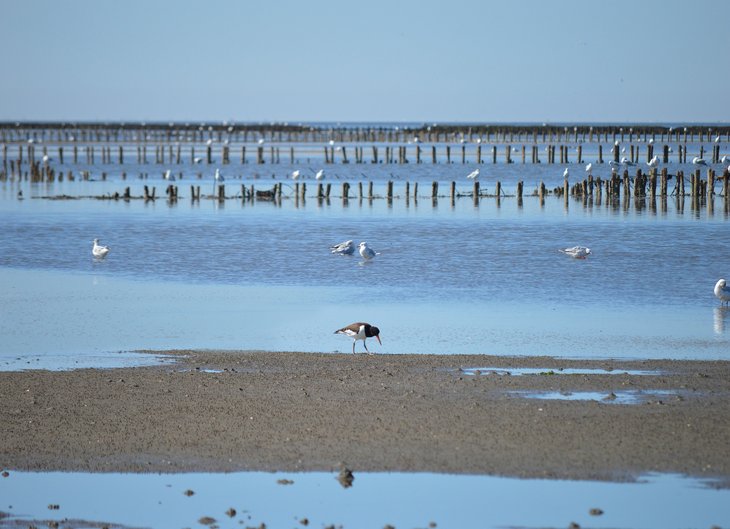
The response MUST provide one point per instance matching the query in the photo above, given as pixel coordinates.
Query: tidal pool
(286, 500)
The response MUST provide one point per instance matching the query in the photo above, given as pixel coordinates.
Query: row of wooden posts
(383, 133)
(392, 154)
(644, 185)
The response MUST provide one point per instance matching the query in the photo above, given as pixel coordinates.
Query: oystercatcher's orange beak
(378, 337)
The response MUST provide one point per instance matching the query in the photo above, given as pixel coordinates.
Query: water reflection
(721, 315)
(281, 500)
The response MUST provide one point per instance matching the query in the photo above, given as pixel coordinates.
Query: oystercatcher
(360, 331)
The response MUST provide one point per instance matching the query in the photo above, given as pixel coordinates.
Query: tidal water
(451, 277)
(281, 500)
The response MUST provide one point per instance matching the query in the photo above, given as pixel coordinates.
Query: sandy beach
(288, 411)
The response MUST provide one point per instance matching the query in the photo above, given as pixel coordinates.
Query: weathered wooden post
(390, 190)
(370, 190)
(434, 189)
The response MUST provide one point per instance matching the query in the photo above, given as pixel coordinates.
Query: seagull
(626, 161)
(169, 176)
(474, 174)
(654, 162)
(579, 252)
(46, 158)
(343, 248)
(99, 250)
(589, 167)
(722, 292)
(218, 176)
(360, 331)
(197, 159)
(566, 173)
(698, 161)
(724, 159)
(295, 174)
(319, 175)
(366, 252)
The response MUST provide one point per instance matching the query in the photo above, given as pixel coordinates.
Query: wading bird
(360, 331)
(722, 292)
(99, 250)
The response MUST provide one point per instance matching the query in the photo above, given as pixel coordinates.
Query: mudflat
(289, 411)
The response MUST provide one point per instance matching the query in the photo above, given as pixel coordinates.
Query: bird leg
(366, 346)
(353, 346)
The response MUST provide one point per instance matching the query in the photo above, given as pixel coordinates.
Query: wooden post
(390, 190)
(370, 190)
(453, 191)
(434, 189)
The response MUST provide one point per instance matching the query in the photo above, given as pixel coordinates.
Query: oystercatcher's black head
(375, 332)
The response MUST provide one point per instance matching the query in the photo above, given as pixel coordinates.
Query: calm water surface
(450, 277)
(373, 501)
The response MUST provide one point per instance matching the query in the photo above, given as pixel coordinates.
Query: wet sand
(232, 411)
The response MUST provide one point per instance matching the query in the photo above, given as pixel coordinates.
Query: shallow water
(374, 500)
(458, 278)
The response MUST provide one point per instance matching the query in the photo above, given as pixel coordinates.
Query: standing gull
(360, 331)
(343, 248)
(722, 291)
(474, 174)
(99, 250)
(366, 252)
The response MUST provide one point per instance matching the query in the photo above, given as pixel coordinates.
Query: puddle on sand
(519, 371)
(69, 362)
(617, 397)
(286, 500)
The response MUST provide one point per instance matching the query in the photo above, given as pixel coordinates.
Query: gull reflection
(721, 315)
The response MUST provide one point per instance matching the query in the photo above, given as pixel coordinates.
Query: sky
(581, 61)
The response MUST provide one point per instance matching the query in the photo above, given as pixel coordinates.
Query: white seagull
(579, 252)
(654, 162)
(169, 176)
(722, 292)
(589, 167)
(99, 250)
(343, 248)
(474, 174)
(360, 331)
(698, 161)
(319, 175)
(366, 252)
(566, 173)
(295, 174)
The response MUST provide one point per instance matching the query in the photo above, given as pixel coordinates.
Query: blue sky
(312, 60)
